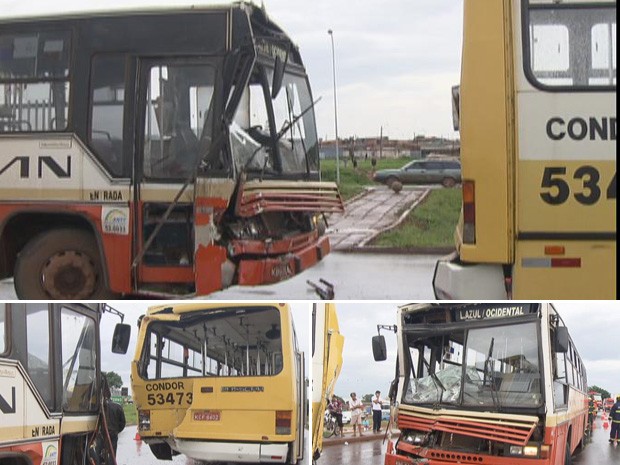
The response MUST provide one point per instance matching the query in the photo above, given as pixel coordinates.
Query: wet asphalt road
(355, 276)
(597, 452)
(131, 452)
(354, 453)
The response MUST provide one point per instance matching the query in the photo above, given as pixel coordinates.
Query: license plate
(207, 415)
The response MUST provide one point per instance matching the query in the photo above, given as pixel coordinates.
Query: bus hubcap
(69, 274)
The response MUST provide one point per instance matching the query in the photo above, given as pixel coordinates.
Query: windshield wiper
(288, 125)
(281, 133)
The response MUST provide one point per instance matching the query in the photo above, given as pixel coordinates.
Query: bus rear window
(34, 81)
(227, 342)
(570, 46)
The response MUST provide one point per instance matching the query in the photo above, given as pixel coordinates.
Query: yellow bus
(327, 345)
(51, 399)
(220, 382)
(536, 108)
(491, 383)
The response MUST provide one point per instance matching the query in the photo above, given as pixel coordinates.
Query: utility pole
(331, 34)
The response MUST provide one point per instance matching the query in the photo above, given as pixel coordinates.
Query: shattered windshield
(294, 128)
(491, 367)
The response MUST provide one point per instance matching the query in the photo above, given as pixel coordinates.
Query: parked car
(385, 413)
(346, 417)
(446, 172)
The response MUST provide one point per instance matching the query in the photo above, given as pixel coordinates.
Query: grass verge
(430, 224)
(131, 414)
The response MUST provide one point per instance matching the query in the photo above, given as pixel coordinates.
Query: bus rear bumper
(242, 452)
(454, 280)
(271, 270)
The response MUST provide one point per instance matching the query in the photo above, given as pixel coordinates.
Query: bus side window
(560, 382)
(107, 102)
(38, 345)
(34, 87)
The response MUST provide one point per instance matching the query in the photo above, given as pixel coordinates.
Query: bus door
(566, 167)
(299, 445)
(173, 133)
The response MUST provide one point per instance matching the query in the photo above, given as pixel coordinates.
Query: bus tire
(60, 264)
(391, 180)
(448, 182)
(567, 458)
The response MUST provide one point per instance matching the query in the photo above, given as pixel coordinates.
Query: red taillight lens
(469, 212)
(283, 421)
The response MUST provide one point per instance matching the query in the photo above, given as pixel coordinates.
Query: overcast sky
(593, 326)
(121, 364)
(396, 60)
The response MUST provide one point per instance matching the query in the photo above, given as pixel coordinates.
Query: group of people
(356, 408)
(614, 418)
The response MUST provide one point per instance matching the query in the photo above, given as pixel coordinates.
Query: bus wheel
(391, 180)
(448, 182)
(60, 264)
(567, 458)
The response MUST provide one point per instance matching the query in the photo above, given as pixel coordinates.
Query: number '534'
(557, 189)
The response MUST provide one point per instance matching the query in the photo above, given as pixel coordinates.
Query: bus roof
(178, 309)
(133, 10)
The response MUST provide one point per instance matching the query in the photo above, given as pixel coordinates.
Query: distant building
(362, 148)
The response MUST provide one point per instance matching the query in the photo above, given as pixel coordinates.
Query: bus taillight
(144, 420)
(469, 212)
(283, 421)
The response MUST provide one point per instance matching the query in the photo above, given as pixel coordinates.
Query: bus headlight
(526, 451)
(516, 450)
(414, 438)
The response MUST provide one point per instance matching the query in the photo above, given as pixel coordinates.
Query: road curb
(398, 250)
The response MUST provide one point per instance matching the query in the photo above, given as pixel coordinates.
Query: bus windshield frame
(475, 365)
(275, 136)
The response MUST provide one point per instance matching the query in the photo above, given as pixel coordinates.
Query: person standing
(114, 415)
(377, 403)
(591, 413)
(614, 418)
(356, 407)
(335, 410)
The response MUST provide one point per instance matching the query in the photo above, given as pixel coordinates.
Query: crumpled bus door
(212, 270)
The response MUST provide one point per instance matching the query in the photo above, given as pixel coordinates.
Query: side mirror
(278, 77)
(561, 340)
(379, 351)
(120, 339)
(456, 107)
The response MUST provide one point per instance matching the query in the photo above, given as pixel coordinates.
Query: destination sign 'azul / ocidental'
(491, 312)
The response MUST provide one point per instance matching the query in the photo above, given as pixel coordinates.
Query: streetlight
(331, 34)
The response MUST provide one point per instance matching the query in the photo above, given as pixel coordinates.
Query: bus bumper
(443, 457)
(244, 452)
(271, 270)
(454, 280)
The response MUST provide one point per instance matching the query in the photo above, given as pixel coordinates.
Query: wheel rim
(449, 182)
(69, 274)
